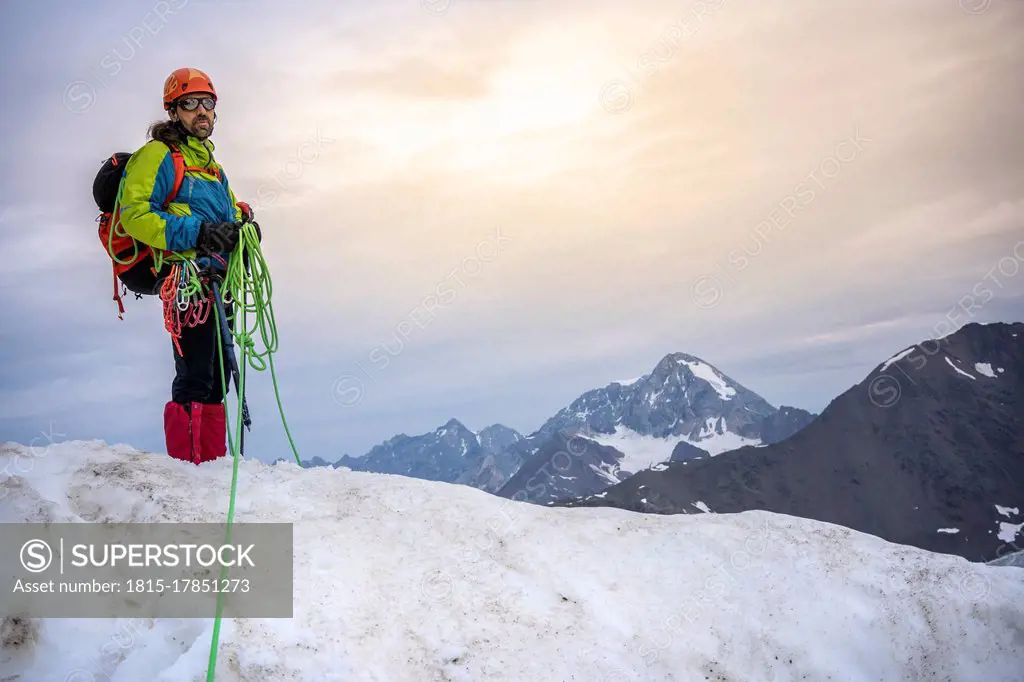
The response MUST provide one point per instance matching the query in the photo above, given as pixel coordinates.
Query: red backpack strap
(179, 174)
(117, 297)
(208, 171)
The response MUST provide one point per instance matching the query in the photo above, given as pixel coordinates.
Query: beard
(199, 130)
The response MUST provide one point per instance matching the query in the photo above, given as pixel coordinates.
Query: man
(202, 220)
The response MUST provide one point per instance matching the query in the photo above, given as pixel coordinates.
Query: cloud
(410, 78)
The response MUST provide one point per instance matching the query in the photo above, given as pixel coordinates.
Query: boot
(213, 434)
(178, 432)
(197, 433)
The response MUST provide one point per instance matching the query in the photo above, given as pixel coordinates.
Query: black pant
(198, 372)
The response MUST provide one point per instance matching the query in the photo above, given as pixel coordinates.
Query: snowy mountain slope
(684, 401)
(564, 463)
(399, 579)
(682, 398)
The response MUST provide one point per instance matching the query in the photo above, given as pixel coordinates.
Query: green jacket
(204, 196)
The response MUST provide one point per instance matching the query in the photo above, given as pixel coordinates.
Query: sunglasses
(192, 103)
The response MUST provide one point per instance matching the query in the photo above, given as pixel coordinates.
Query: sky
(481, 209)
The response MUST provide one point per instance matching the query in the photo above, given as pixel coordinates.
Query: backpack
(122, 249)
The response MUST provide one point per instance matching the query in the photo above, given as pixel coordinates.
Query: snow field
(402, 579)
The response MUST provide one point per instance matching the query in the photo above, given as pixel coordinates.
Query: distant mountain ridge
(927, 450)
(446, 454)
(683, 408)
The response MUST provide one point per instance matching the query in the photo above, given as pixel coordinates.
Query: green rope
(114, 225)
(236, 454)
(249, 290)
(117, 228)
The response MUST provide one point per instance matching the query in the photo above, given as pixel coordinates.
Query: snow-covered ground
(896, 358)
(704, 371)
(958, 370)
(1008, 532)
(638, 451)
(715, 438)
(399, 579)
(986, 369)
(641, 451)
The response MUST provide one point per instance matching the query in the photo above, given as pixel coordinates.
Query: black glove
(214, 237)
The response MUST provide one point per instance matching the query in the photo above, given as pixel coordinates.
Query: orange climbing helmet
(185, 81)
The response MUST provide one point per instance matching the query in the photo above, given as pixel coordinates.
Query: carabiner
(181, 295)
(183, 302)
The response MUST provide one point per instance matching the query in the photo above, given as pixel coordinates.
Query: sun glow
(537, 102)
